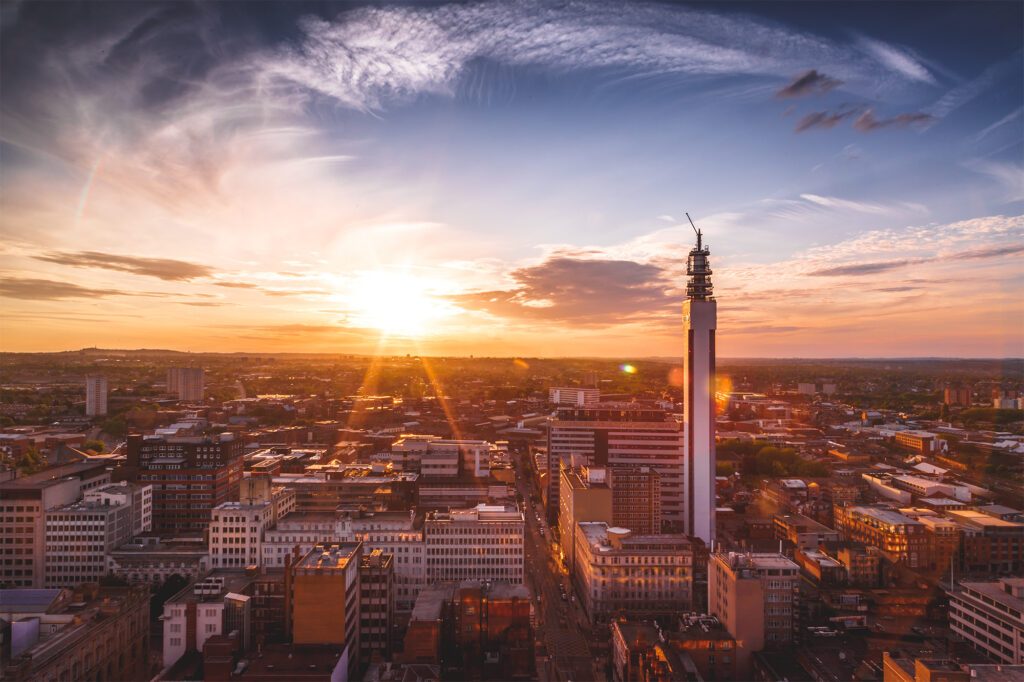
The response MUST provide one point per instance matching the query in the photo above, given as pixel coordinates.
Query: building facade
(78, 537)
(95, 396)
(481, 543)
(989, 616)
(188, 383)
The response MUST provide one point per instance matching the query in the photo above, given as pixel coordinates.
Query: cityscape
(409, 342)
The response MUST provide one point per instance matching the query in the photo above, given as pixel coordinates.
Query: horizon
(512, 179)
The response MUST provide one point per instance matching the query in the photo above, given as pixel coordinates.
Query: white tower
(699, 321)
(95, 396)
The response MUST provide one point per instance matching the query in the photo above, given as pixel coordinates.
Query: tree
(30, 462)
(96, 446)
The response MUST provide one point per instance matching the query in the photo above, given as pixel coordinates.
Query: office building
(190, 476)
(700, 315)
(636, 499)
(574, 396)
(584, 495)
(802, 532)
(188, 383)
(25, 503)
(151, 560)
(95, 396)
(619, 574)
(989, 543)
(376, 605)
(138, 497)
(432, 456)
(92, 633)
(399, 534)
(756, 598)
(989, 616)
(322, 594)
(78, 537)
(619, 436)
(481, 543)
(236, 533)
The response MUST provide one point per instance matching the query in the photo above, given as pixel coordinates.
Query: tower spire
(699, 287)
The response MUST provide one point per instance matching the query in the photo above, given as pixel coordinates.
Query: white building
(188, 383)
(700, 314)
(95, 396)
(638, 576)
(615, 435)
(393, 533)
(236, 533)
(574, 396)
(138, 497)
(481, 543)
(989, 616)
(78, 537)
(435, 456)
(206, 608)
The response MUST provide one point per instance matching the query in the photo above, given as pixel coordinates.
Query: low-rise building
(152, 560)
(898, 535)
(802, 532)
(78, 537)
(236, 533)
(215, 605)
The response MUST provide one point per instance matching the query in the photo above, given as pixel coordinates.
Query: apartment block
(898, 535)
(95, 396)
(187, 383)
(574, 396)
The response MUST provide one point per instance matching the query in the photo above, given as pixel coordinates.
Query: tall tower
(699, 321)
(95, 396)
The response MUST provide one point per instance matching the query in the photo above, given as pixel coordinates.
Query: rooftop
(330, 556)
(978, 518)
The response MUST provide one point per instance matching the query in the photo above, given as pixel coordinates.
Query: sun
(396, 303)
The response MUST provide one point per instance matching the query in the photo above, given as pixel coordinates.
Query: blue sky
(520, 171)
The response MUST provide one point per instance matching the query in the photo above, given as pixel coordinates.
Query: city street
(560, 624)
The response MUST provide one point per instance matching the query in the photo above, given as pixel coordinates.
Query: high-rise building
(78, 537)
(376, 605)
(619, 435)
(700, 315)
(190, 476)
(188, 383)
(95, 396)
(583, 495)
(636, 499)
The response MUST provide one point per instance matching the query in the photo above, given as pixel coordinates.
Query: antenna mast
(696, 231)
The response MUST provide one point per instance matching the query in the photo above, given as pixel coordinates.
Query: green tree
(30, 462)
(93, 445)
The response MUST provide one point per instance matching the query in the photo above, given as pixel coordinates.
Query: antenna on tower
(696, 231)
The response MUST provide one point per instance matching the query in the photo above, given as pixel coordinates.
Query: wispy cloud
(844, 204)
(824, 119)
(867, 122)
(162, 268)
(900, 60)
(1010, 176)
(34, 289)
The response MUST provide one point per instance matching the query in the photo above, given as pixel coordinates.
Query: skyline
(510, 179)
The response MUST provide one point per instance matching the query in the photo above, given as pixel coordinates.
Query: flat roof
(334, 555)
(983, 519)
(994, 590)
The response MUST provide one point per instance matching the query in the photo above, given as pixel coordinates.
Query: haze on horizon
(510, 178)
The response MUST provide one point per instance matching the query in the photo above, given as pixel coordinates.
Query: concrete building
(376, 605)
(957, 395)
(699, 322)
(989, 616)
(78, 537)
(584, 495)
(151, 560)
(900, 536)
(989, 543)
(399, 534)
(138, 497)
(322, 592)
(433, 456)
(636, 499)
(920, 441)
(618, 574)
(801, 531)
(95, 396)
(574, 396)
(304, 530)
(614, 436)
(190, 476)
(91, 634)
(236, 533)
(25, 503)
(481, 543)
(188, 383)
(215, 605)
(737, 583)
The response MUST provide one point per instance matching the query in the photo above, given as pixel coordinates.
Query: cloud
(868, 268)
(161, 268)
(823, 119)
(867, 122)
(809, 83)
(236, 285)
(844, 204)
(898, 60)
(1009, 175)
(31, 289)
(588, 291)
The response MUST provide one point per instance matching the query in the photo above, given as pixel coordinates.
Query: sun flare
(396, 304)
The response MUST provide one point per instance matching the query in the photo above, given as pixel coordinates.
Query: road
(561, 625)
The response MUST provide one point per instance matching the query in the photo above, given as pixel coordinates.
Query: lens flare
(627, 369)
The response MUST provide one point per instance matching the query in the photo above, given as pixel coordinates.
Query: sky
(512, 178)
